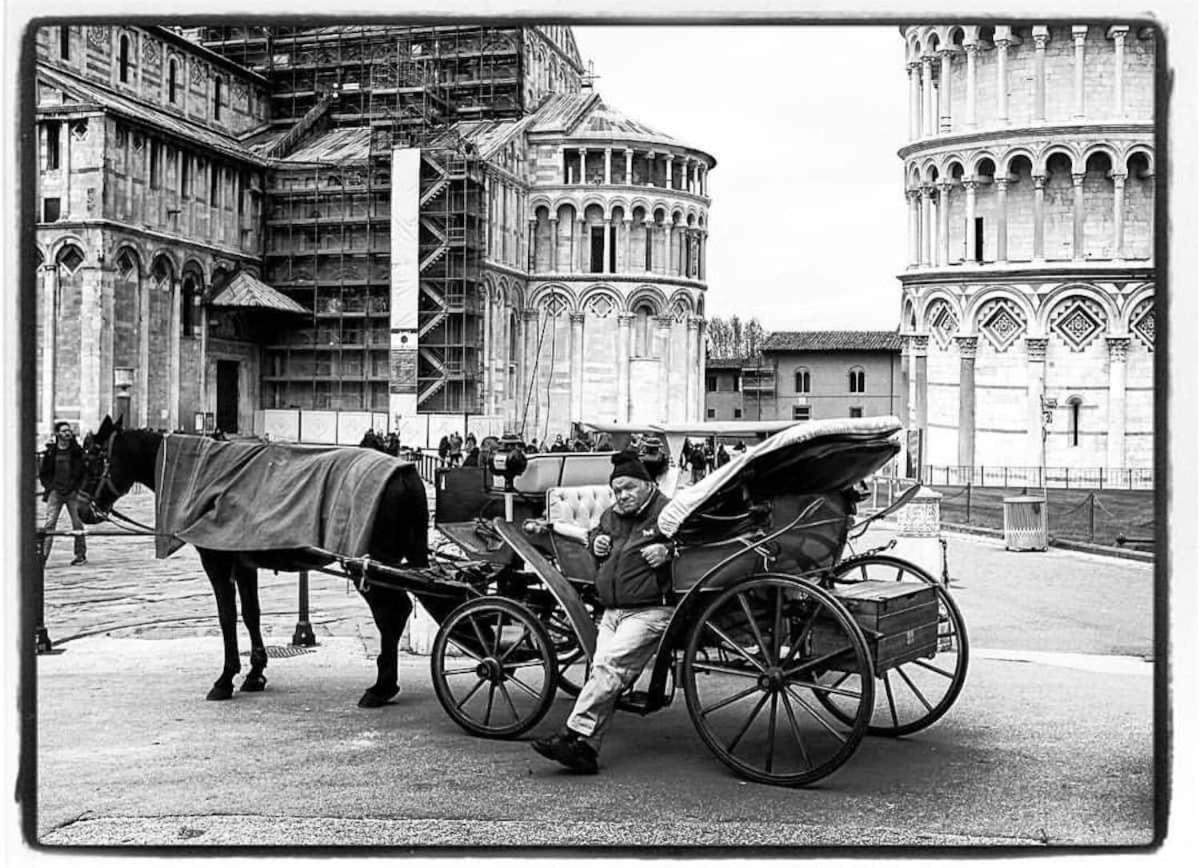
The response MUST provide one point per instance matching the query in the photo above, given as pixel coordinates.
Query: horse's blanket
(247, 496)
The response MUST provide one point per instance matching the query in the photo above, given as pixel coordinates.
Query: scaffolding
(342, 99)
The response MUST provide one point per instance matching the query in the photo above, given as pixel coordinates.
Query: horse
(116, 458)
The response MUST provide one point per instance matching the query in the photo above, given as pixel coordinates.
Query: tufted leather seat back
(578, 504)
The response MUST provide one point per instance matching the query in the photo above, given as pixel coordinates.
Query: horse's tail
(413, 525)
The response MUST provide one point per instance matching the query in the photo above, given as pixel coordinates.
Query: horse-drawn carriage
(786, 651)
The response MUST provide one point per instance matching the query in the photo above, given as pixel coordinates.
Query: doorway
(227, 395)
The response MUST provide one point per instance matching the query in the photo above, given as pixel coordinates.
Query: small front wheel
(751, 676)
(494, 667)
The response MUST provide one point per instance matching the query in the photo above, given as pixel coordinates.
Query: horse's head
(105, 478)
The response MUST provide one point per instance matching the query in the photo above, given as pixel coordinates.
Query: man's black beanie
(628, 464)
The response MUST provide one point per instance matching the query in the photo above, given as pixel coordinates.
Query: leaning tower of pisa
(1029, 173)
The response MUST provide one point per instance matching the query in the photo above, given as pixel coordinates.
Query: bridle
(105, 483)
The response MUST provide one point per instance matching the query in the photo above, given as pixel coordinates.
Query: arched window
(172, 80)
(641, 329)
(858, 381)
(803, 381)
(187, 307)
(1075, 405)
(123, 60)
(217, 98)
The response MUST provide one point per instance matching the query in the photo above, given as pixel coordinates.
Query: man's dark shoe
(80, 560)
(568, 749)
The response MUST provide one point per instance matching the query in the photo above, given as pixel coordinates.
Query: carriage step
(638, 701)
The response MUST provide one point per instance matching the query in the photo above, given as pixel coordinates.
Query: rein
(112, 514)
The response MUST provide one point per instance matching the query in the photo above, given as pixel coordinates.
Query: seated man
(633, 583)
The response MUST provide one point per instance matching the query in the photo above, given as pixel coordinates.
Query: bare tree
(734, 338)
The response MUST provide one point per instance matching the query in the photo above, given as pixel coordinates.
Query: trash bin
(1025, 523)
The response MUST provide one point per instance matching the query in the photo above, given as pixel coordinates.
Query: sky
(808, 223)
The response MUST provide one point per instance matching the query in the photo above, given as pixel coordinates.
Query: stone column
(582, 165)
(581, 246)
(577, 385)
(914, 100)
(624, 324)
(670, 166)
(1041, 35)
(174, 367)
(914, 224)
(50, 346)
(488, 354)
(972, 49)
(689, 403)
(1077, 244)
(920, 349)
(701, 328)
(970, 254)
(944, 119)
(532, 244)
(529, 330)
(967, 345)
(1001, 219)
(608, 166)
(1118, 251)
(1079, 34)
(943, 207)
(1118, 347)
(1117, 34)
(606, 265)
(906, 381)
(926, 225)
(662, 342)
(927, 111)
(702, 179)
(648, 228)
(1002, 42)
(628, 166)
(1035, 353)
(628, 225)
(672, 249)
(554, 244)
(1039, 218)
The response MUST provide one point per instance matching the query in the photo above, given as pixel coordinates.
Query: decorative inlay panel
(942, 323)
(556, 304)
(1141, 324)
(1001, 322)
(1078, 322)
(600, 306)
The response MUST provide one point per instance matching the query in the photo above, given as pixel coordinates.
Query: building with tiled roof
(308, 231)
(832, 341)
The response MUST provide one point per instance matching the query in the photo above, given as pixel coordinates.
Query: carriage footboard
(899, 620)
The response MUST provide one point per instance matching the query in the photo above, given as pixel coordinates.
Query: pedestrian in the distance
(61, 475)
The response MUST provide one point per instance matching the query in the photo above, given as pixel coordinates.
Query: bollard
(303, 636)
(918, 532)
(41, 637)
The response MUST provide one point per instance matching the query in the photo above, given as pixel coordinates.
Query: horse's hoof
(370, 699)
(254, 685)
(218, 693)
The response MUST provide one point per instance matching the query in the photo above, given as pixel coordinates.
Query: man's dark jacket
(46, 471)
(625, 579)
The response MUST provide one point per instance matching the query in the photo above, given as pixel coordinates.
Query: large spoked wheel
(911, 696)
(571, 661)
(494, 667)
(751, 673)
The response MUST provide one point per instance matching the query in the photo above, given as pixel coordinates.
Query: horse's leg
(219, 566)
(390, 608)
(246, 577)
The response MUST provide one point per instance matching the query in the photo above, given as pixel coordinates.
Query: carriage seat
(572, 511)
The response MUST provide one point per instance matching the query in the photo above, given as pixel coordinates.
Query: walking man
(61, 474)
(633, 585)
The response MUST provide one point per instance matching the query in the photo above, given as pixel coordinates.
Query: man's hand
(656, 555)
(602, 545)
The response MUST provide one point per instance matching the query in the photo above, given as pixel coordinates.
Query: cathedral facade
(1027, 308)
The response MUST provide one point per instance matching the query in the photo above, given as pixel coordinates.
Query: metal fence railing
(1009, 476)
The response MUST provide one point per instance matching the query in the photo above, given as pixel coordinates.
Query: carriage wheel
(755, 706)
(913, 695)
(571, 662)
(493, 667)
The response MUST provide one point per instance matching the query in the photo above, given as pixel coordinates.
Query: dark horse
(115, 459)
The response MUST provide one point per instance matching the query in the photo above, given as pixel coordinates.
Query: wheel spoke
(813, 713)
(914, 688)
(729, 700)
(887, 687)
(812, 664)
(723, 670)
(471, 693)
(463, 671)
(826, 689)
(487, 715)
(521, 684)
(741, 598)
(483, 643)
(733, 646)
(513, 647)
(508, 700)
(787, 706)
(771, 731)
(499, 633)
(798, 642)
(932, 668)
(463, 648)
(777, 638)
(746, 726)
